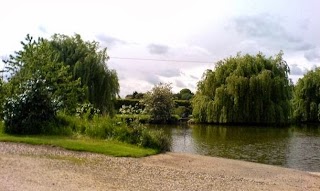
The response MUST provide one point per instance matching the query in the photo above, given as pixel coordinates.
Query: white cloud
(313, 55)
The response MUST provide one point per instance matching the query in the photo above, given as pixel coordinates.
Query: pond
(291, 147)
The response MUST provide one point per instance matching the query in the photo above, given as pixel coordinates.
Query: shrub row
(184, 103)
(120, 102)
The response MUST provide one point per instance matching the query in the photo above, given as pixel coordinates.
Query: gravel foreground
(28, 167)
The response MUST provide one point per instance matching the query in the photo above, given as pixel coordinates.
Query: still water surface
(292, 147)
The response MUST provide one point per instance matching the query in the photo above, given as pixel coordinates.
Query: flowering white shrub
(131, 110)
(27, 112)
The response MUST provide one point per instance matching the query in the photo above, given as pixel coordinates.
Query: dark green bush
(138, 134)
(156, 139)
(181, 111)
(31, 111)
(184, 103)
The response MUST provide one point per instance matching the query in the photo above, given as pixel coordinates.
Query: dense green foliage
(88, 62)
(245, 89)
(306, 99)
(76, 70)
(184, 94)
(3, 93)
(112, 128)
(69, 76)
(38, 58)
(142, 118)
(31, 111)
(136, 103)
(159, 102)
(183, 108)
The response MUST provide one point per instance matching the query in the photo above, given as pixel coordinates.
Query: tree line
(63, 72)
(53, 75)
(256, 89)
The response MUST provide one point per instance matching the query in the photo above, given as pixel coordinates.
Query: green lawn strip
(142, 117)
(107, 147)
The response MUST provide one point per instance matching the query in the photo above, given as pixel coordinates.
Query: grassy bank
(107, 147)
(142, 118)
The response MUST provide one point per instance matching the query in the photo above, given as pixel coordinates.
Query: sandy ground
(27, 167)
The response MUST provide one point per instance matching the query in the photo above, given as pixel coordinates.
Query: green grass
(141, 117)
(106, 147)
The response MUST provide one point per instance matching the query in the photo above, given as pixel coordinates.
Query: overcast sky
(190, 36)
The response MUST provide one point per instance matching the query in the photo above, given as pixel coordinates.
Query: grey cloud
(152, 79)
(295, 70)
(312, 55)
(189, 75)
(157, 49)
(180, 84)
(170, 73)
(270, 31)
(109, 41)
(258, 26)
(193, 77)
(304, 46)
(262, 26)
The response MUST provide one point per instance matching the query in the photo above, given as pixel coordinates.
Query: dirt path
(26, 167)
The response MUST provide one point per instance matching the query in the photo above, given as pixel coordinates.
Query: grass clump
(107, 128)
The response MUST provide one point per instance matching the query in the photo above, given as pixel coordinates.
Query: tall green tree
(306, 99)
(159, 102)
(89, 63)
(186, 94)
(37, 57)
(75, 69)
(245, 89)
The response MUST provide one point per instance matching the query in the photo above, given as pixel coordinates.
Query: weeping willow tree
(245, 89)
(68, 59)
(306, 99)
(89, 63)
